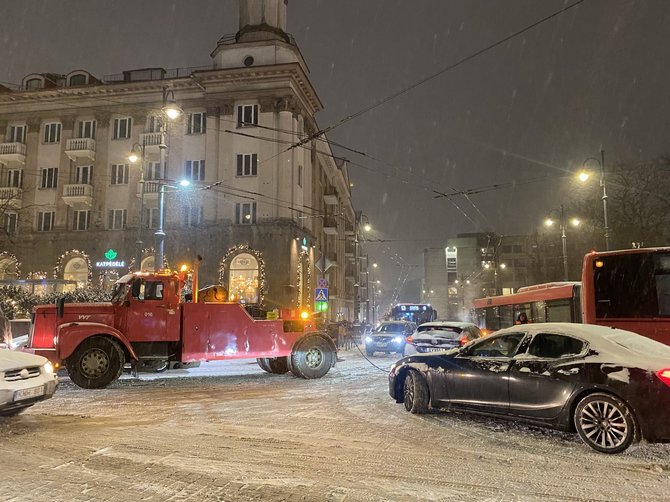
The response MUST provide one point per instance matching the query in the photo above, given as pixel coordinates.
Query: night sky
(529, 110)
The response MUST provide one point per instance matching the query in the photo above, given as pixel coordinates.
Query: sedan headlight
(368, 339)
(398, 339)
(48, 368)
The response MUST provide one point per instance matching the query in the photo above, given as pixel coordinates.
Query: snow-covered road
(229, 431)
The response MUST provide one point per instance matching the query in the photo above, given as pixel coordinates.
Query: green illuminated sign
(111, 254)
(320, 306)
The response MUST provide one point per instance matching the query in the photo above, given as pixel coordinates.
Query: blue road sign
(321, 295)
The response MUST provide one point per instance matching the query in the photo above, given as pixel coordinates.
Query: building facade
(268, 207)
(476, 265)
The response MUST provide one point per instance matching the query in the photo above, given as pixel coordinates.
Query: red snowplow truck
(148, 323)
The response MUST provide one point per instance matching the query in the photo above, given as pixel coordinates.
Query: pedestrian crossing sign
(321, 295)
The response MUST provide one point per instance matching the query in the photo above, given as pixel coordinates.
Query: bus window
(559, 311)
(539, 311)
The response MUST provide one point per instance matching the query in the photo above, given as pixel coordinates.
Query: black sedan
(610, 386)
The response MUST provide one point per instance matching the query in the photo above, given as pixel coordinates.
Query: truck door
(153, 311)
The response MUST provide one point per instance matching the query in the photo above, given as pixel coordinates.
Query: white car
(441, 335)
(25, 379)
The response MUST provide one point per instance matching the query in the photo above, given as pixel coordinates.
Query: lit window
(245, 213)
(243, 280)
(194, 170)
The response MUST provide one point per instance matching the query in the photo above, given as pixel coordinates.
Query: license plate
(28, 393)
(382, 344)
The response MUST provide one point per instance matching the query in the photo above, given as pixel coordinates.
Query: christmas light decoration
(65, 257)
(244, 248)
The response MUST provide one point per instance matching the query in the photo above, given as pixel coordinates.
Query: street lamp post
(170, 110)
(564, 239)
(133, 157)
(584, 176)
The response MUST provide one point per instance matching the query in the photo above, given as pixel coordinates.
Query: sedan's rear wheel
(415, 392)
(605, 423)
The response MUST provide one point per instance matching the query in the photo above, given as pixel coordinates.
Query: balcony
(151, 190)
(330, 197)
(10, 197)
(78, 196)
(151, 141)
(329, 225)
(12, 152)
(80, 148)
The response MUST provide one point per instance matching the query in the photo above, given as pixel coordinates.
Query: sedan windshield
(390, 328)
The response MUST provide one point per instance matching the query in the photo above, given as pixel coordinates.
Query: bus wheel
(313, 356)
(95, 363)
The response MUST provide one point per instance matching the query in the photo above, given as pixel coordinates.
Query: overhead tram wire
(437, 74)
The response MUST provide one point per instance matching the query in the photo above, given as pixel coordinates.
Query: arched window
(34, 83)
(76, 269)
(147, 264)
(243, 280)
(8, 269)
(78, 79)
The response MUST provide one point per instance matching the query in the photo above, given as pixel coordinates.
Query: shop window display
(243, 281)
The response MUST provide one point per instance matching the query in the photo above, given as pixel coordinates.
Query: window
(84, 175)
(147, 290)
(122, 128)
(192, 216)
(45, 221)
(299, 176)
(546, 345)
(15, 178)
(49, 177)
(17, 134)
(154, 123)
(52, 132)
(79, 79)
(245, 213)
(154, 171)
(119, 174)
(33, 83)
(151, 217)
(499, 346)
(247, 164)
(247, 115)
(81, 220)
(87, 129)
(194, 170)
(197, 123)
(243, 280)
(11, 223)
(117, 219)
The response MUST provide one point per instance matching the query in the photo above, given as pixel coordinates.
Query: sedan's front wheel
(415, 392)
(605, 423)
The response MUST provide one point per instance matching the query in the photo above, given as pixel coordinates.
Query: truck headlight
(48, 368)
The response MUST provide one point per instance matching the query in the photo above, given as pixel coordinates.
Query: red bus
(551, 302)
(627, 289)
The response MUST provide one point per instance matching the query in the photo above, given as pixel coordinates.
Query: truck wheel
(263, 363)
(313, 356)
(96, 363)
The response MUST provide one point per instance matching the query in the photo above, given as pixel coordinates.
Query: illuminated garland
(112, 274)
(37, 275)
(304, 255)
(244, 248)
(145, 253)
(60, 263)
(17, 263)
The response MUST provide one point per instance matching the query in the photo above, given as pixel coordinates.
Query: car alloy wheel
(605, 423)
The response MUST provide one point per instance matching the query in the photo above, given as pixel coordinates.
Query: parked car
(389, 336)
(25, 379)
(441, 335)
(610, 386)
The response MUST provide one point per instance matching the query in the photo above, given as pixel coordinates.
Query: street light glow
(367, 227)
(374, 265)
(133, 157)
(575, 222)
(549, 222)
(184, 183)
(583, 176)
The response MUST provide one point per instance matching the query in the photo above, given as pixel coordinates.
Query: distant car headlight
(48, 368)
(398, 339)
(368, 339)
